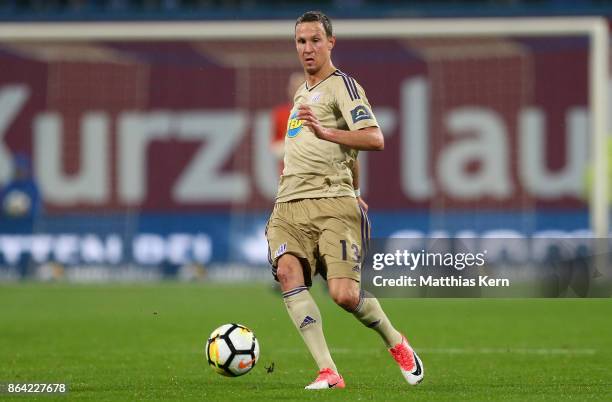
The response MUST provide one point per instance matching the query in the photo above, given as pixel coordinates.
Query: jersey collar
(319, 83)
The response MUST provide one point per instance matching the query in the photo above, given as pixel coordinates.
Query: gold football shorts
(329, 236)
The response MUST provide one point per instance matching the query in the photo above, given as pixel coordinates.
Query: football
(232, 350)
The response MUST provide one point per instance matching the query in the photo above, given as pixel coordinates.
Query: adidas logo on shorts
(307, 321)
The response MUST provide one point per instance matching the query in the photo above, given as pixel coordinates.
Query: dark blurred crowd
(172, 8)
(148, 5)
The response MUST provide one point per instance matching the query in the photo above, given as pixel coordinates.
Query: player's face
(313, 46)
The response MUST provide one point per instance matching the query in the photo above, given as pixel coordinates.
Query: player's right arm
(364, 139)
(350, 100)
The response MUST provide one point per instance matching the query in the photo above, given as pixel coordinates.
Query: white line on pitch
(534, 351)
(462, 351)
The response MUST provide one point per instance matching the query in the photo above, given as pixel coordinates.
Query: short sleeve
(353, 104)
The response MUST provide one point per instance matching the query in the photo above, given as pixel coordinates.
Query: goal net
(150, 143)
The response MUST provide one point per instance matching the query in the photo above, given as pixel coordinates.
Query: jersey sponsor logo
(294, 126)
(360, 113)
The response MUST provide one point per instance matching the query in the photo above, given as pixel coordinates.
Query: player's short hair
(317, 16)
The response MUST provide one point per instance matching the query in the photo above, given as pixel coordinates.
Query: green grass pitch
(145, 342)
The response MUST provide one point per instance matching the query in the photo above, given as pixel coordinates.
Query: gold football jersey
(316, 168)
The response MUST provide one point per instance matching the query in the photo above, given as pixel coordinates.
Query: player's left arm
(364, 139)
(355, 172)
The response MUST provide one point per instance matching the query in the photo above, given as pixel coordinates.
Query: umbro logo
(307, 321)
(356, 268)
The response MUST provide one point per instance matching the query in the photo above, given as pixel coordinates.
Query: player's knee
(284, 274)
(289, 273)
(346, 299)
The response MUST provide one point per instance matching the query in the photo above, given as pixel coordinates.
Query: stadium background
(132, 189)
(482, 134)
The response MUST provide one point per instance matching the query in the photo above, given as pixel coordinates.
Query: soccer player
(317, 225)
